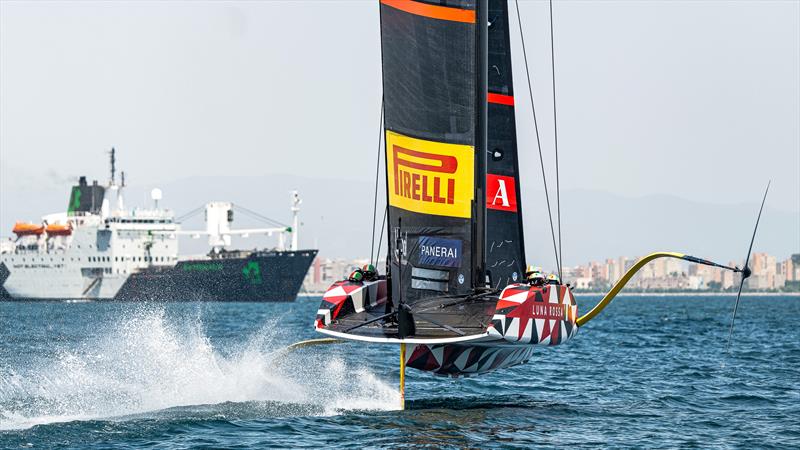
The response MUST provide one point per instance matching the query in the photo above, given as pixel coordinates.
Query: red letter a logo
(501, 193)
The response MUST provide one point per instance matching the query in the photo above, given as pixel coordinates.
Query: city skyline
(666, 274)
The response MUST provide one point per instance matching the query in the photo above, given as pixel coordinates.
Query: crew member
(534, 276)
(553, 279)
(356, 276)
(369, 272)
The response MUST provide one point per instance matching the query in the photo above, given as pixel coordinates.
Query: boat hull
(463, 360)
(452, 337)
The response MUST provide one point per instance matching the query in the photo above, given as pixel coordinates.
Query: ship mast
(113, 186)
(113, 167)
(296, 201)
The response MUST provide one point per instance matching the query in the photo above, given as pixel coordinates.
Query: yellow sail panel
(430, 177)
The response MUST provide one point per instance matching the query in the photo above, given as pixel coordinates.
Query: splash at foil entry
(149, 362)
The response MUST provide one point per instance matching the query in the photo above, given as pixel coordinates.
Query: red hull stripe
(500, 99)
(432, 11)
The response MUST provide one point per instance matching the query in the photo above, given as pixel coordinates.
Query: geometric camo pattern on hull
(525, 316)
(345, 297)
(535, 315)
(457, 360)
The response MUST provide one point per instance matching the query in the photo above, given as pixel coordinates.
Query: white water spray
(147, 363)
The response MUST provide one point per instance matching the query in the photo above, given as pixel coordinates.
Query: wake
(148, 362)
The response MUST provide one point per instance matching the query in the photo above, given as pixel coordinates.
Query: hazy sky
(695, 99)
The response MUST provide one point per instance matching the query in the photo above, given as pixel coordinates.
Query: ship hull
(49, 281)
(259, 277)
(268, 276)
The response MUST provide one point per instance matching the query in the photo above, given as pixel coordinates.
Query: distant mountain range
(337, 218)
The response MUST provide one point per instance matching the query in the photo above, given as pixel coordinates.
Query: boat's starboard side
(538, 315)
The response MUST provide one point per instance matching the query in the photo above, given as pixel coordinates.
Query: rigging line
(380, 236)
(254, 214)
(259, 216)
(377, 174)
(555, 137)
(191, 213)
(536, 128)
(261, 219)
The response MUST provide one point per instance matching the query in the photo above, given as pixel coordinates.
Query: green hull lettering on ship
(202, 267)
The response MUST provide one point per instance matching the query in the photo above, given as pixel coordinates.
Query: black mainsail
(434, 78)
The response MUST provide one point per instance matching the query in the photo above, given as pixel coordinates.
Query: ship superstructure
(98, 249)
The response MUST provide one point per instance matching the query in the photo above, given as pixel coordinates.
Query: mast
(481, 133)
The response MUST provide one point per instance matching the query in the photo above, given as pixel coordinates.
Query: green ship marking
(75, 202)
(202, 267)
(252, 272)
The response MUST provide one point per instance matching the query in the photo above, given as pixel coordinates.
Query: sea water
(649, 372)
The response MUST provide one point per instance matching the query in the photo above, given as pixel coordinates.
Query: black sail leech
(505, 249)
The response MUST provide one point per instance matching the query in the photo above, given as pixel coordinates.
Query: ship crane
(219, 217)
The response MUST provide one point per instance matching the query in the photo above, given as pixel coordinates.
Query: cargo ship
(100, 250)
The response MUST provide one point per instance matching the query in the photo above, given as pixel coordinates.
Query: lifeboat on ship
(57, 229)
(27, 229)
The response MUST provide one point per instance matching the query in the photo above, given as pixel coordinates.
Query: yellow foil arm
(622, 282)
